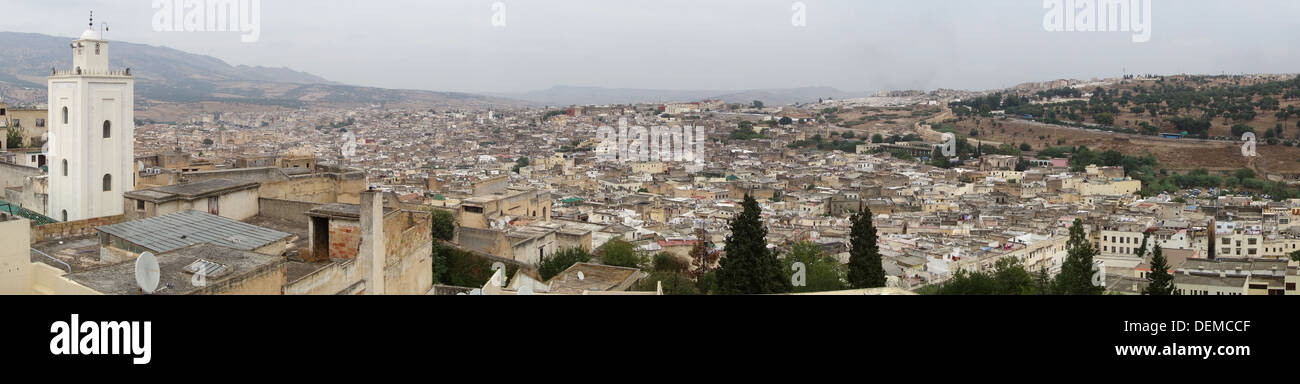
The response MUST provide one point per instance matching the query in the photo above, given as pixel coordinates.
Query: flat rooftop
(191, 191)
(183, 229)
(597, 278)
(119, 279)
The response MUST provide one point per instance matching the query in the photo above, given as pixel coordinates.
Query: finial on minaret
(92, 19)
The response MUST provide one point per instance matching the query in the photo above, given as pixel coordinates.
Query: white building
(92, 130)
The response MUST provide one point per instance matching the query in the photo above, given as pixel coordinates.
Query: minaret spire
(92, 19)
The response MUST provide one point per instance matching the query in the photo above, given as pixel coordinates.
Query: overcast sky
(854, 45)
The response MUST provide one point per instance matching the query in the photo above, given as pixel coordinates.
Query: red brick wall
(345, 239)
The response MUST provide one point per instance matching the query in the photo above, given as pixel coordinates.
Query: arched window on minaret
(65, 215)
(108, 129)
(65, 115)
(108, 183)
(65, 167)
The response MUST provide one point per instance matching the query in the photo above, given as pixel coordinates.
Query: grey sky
(854, 45)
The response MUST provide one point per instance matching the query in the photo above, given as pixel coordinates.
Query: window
(40, 123)
(18, 123)
(65, 167)
(108, 183)
(65, 115)
(65, 215)
(108, 129)
(139, 205)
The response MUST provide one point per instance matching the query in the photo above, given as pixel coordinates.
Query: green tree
(1142, 250)
(1009, 277)
(866, 269)
(1043, 281)
(14, 138)
(444, 225)
(620, 253)
(667, 262)
(748, 267)
(521, 163)
(1160, 282)
(674, 284)
(1295, 256)
(821, 272)
(1077, 270)
(556, 264)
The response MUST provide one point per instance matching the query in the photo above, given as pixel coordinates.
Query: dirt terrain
(1173, 154)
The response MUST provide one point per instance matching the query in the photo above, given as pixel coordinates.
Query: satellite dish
(147, 273)
(581, 276)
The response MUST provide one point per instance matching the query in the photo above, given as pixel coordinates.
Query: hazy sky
(854, 45)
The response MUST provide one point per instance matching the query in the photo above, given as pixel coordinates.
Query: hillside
(166, 75)
(569, 95)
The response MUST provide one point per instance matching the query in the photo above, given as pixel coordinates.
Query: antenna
(147, 273)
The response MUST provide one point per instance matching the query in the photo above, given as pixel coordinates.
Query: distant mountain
(569, 95)
(169, 75)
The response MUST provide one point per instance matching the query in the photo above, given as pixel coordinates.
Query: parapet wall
(72, 229)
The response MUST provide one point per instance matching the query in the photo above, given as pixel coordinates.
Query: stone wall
(72, 229)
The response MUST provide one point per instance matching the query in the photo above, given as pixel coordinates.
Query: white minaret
(92, 133)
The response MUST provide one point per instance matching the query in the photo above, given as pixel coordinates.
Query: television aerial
(147, 273)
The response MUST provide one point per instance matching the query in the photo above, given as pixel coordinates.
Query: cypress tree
(1043, 281)
(1160, 282)
(1077, 270)
(865, 267)
(749, 267)
(1142, 251)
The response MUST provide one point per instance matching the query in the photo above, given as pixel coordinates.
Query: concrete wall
(409, 247)
(15, 257)
(13, 175)
(285, 209)
(330, 280)
(47, 280)
(267, 280)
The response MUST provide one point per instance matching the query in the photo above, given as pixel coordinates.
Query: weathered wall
(47, 280)
(267, 280)
(327, 281)
(72, 229)
(409, 247)
(345, 239)
(15, 257)
(318, 189)
(13, 175)
(285, 209)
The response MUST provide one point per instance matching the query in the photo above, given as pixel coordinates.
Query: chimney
(373, 253)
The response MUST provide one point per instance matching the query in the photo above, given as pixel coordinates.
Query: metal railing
(69, 267)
